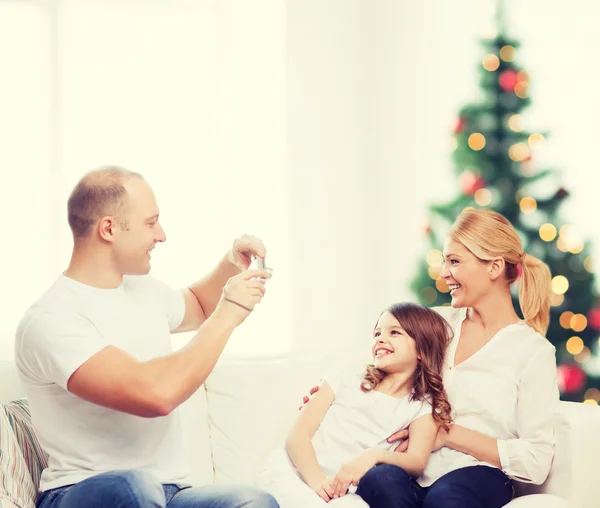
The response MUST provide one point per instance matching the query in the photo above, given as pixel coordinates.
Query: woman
(500, 376)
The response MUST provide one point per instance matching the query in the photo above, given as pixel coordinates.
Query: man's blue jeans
(388, 486)
(135, 489)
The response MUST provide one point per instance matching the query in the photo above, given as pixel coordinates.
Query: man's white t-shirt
(69, 324)
(357, 420)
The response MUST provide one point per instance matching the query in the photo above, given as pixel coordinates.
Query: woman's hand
(400, 437)
(351, 472)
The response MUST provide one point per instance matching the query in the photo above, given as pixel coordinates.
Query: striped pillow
(19, 416)
(16, 485)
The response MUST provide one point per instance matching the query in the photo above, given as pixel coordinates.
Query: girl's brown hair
(432, 335)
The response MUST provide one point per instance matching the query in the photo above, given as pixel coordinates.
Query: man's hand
(323, 488)
(401, 437)
(351, 472)
(243, 249)
(241, 294)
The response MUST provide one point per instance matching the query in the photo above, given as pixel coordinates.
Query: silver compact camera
(261, 265)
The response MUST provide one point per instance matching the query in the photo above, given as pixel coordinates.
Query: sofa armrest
(576, 457)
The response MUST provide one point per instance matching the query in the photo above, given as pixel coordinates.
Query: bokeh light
(507, 53)
(515, 123)
(521, 90)
(434, 257)
(528, 204)
(442, 286)
(584, 356)
(565, 319)
(560, 285)
(434, 271)
(548, 232)
(476, 141)
(575, 345)
(429, 295)
(578, 322)
(483, 197)
(519, 152)
(490, 62)
(535, 139)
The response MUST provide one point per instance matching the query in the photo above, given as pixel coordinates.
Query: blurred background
(328, 128)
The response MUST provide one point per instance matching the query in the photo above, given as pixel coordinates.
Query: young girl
(342, 432)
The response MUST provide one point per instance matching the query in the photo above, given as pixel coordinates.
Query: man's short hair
(99, 193)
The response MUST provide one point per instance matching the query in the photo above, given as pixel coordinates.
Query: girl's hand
(324, 489)
(351, 472)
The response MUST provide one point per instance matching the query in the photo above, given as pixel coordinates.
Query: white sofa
(247, 405)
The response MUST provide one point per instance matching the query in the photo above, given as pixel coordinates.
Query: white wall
(322, 126)
(329, 116)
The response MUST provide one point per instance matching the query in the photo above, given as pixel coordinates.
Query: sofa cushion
(16, 485)
(196, 438)
(538, 501)
(19, 416)
(252, 405)
(573, 473)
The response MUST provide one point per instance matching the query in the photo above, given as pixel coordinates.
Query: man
(95, 357)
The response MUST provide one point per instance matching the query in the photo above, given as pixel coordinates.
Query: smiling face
(393, 349)
(140, 231)
(467, 276)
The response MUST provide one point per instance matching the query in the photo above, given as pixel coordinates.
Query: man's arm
(202, 297)
(115, 379)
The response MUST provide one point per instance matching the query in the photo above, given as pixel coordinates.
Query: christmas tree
(494, 161)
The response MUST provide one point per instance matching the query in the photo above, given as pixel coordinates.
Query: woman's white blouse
(507, 390)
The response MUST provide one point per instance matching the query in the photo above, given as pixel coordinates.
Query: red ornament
(508, 79)
(594, 318)
(427, 229)
(460, 125)
(470, 183)
(519, 270)
(571, 378)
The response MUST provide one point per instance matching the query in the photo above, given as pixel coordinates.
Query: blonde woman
(500, 376)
